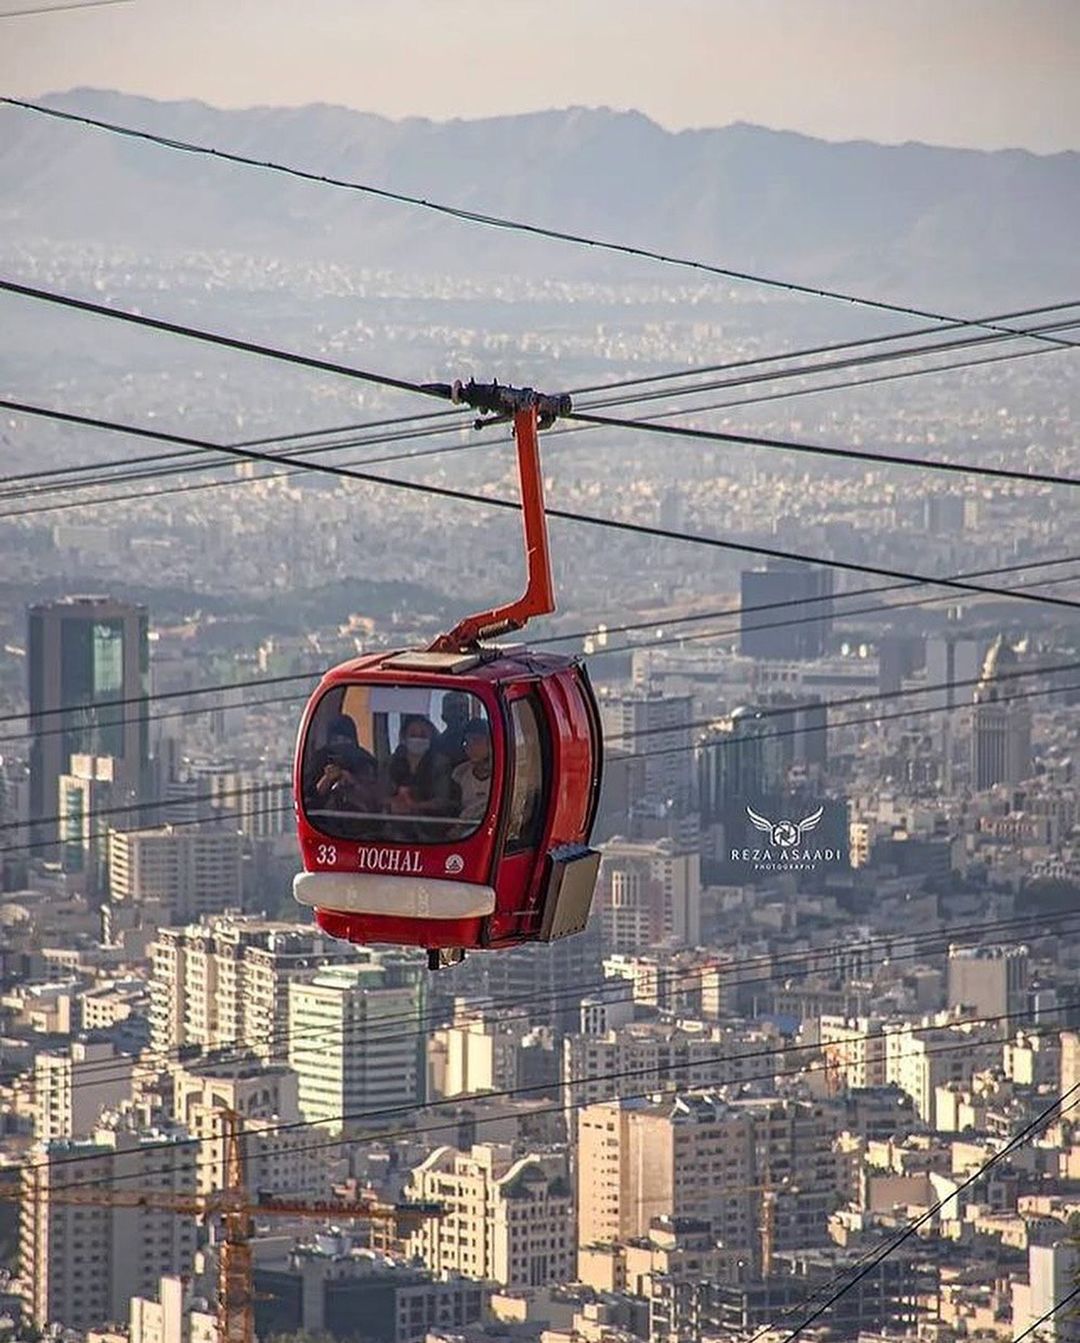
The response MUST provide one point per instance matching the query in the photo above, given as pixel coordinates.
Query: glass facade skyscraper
(786, 611)
(89, 664)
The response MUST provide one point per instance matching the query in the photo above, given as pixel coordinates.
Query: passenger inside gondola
(343, 776)
(456, 714)
(376, 767)
(473, 776)
(419, 774)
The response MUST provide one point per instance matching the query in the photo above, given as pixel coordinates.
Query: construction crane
(236, 1211)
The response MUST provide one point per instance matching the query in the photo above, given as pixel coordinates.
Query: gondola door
(528, 784)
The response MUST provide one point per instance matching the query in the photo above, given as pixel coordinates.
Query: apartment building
(648, 893)
(281, 1161)
(679, 1156)
(854, 1051)
(989, 981)
(355, 1038)
(506, 1219)
(695, 1156)
(226, 979)
(193, 871)
(693, 1055)
(72, 1086)
(81, 1264)
(477, 1053)
(920, 1059)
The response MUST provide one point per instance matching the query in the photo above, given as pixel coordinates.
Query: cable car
(445, 797)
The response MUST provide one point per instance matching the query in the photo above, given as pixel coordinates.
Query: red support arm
(538, 599)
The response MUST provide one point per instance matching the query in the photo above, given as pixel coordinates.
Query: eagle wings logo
(785, 834)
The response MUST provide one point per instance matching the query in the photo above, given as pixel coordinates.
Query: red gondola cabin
(445, 798)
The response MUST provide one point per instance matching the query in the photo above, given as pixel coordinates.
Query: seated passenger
(473, 776)
(419, 775)
(456, 708)
(342, 775)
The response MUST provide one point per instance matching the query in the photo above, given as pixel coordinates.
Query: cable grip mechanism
(499, 404)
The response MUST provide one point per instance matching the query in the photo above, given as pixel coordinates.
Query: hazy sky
(986, 73)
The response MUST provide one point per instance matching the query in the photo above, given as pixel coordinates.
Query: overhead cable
(52, 481)
(591, 631)
(610, 990)
(359, 1117)
(501, 222)
(1064, 1101)
(702, 745)
(822, 450)
(494, 501)
(810, 351)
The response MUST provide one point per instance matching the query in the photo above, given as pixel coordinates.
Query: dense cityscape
(812, 1068)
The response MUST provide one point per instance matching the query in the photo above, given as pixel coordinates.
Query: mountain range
(930, 225)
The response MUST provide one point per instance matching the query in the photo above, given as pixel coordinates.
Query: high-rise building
(854, 1052)
(279, 1157)
(692, 1154)
(14, 811)
(621, 788)
(83, 793)
(800, 722)
(194, 871)
(677, 1156)
(550, 978)
(89, 664)
(355, 1040)
(648, 895)
(261, 802)
(479, 1052)
(226, 980)
(1069, 1078)
(689, 1056)
(945, 515)
(73, 1086)
(1052, 1273)
(992, 980)
(741, 761)
(952, 663)
(1001, 733)
(922, 1060)
(80, 1265)
(790, 588)
(900, 656)
(507, 1220)
(647, 721)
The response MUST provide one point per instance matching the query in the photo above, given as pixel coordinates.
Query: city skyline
(799, 718)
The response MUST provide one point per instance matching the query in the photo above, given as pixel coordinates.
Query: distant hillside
(931, 225)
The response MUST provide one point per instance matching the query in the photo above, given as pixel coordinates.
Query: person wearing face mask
(419, 778)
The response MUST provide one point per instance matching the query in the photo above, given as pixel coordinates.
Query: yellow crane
(232, 1205)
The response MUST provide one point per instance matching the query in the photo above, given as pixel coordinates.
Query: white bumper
(400, 897)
